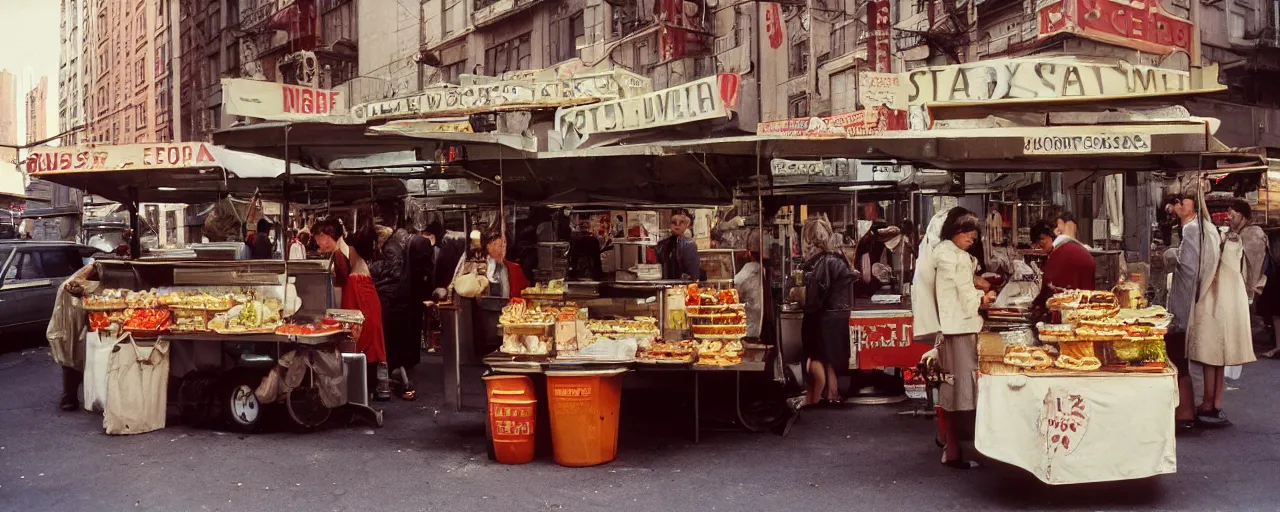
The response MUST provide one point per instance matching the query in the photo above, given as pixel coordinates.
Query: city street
(866, 458)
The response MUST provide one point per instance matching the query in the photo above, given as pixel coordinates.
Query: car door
(25, 291)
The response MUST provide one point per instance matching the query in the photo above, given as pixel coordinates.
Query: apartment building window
(452, 72)
(798, 63)
(567, 35)
(142, 116)
(481, 4)
(338, 20)
(843, 40)
(455, 16)
(140, 72)
(798, 105)
(162, 13)
(511, 55)
(214, 73)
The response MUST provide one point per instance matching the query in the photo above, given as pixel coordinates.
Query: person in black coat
(262, 248)
(828, 285)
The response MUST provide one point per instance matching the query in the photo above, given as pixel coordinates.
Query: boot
(382, 393)
(71, 380)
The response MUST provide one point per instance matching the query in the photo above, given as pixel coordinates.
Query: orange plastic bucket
(513, 413)
(509, 386)
(584, 415)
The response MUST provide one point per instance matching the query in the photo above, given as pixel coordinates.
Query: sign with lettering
(878, 25)
(605, 85)
(512, 420)
(1086, 144)
(496, 95)
(699, 100)
(773, 25)
(1036, 78)
(281, 102)
(887, 89)
(851, 124)
(1144, 26)
(126, 157)
(883, 339)
(1063, 422)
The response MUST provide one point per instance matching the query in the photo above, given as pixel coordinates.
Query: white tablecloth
(1069, 430)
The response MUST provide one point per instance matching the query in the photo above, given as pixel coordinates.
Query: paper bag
(137, 387)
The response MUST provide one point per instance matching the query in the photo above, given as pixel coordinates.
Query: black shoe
(1185, 427)
(69, 403)
(1215, 418)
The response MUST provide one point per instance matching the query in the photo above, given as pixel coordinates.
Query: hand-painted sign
(1029, 78)
(1144, 26)
(126, 157)
(698, 100)
(484, 95)
(806, 172)
(878, 24)
(1063, 421)
(887, 89)
(254, 14)
(861, 122)
(773, 25)
(611, 84)
(883, 339)
(1086, 144)
(280, 102)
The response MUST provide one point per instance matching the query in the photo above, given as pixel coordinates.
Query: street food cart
(232, 327)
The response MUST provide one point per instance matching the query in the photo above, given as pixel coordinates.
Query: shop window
(511, 55)
(798, 106)
(451, 73)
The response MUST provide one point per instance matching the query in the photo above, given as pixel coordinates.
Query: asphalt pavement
(427, 458)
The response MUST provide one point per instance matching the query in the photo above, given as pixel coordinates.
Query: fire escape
(669, 41)
(945, 32)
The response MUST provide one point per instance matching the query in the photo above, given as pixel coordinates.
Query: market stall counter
(1089, 399)
(241, 336)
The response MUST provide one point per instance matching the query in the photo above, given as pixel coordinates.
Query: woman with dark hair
(354, 285)
(958, 301)
(827, 302)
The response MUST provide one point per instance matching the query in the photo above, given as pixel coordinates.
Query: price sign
(1063, 421)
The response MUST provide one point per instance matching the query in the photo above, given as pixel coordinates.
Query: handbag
(472, 280)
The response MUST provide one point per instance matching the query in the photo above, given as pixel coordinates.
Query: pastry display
(1027, 357)
(673, 351)
(1056, 332)
(718, 353)
(519, 312)
(318, 329)
(640, 326)
(554, 287)
(106, 299)
(1085, 364)
(525, 344)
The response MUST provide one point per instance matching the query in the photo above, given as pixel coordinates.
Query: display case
(719, 266)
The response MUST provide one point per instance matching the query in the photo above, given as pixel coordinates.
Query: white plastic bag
(137, 387)
(1233, 372)
(97, 360)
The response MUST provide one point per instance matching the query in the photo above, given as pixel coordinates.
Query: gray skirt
(958, 357)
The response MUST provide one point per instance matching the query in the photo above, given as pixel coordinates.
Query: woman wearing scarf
(827, 302)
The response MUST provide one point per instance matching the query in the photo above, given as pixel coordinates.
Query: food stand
(242, 334)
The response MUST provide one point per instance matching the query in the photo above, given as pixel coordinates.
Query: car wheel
(240, 406)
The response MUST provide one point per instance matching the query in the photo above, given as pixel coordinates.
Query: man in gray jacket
(1182, 299)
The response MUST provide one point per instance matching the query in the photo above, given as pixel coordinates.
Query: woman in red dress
(355, 288)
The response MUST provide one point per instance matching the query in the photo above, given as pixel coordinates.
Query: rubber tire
(196, 395)
(309, 394)
(226, 396)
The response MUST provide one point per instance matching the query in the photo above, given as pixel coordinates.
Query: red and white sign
(883, 339)
(878, 53)
(851, 124)
(1141, 25)
(281, 102)
(1063, 422)
(126, 157)
(773, 25)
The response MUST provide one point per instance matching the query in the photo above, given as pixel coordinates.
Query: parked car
(29, 280)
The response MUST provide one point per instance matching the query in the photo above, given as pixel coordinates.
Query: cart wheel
(195, 398)
(305, 407)
(239, 405)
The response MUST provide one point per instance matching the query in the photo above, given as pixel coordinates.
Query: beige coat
(958, 299)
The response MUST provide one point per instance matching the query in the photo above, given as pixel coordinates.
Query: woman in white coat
(958, 299)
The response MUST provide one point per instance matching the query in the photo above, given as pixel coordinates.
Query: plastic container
(584, 415)
(513, 413)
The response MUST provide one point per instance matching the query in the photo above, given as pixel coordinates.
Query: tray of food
(719, 353)
(673, 352)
